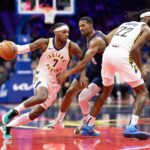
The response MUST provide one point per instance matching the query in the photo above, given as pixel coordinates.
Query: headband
(145, 14)
(63, 27)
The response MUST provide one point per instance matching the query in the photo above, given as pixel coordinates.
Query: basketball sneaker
(89, 131)
(78, 129)
(6, 132)
(56, 124)
(131, 131)
(6, 118)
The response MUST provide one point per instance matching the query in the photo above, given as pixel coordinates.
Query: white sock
(22, 119)
(20, 107)
(86, 117)
(61, 116)
(134, 120)
(91, 121)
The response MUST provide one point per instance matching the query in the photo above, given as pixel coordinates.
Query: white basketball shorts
(51, 84)
(117, 60)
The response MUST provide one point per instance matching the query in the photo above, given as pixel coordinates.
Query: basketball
(8, 50)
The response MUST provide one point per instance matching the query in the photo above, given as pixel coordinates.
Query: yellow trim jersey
(54, 61)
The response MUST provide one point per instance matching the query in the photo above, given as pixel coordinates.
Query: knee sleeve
(89, 92)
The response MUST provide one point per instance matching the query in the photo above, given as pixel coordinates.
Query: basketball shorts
(117, 60)
(51, 84)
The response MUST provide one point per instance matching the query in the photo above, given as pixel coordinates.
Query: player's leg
(107, 72)
(73, 90)
(22, 119)
(84, 97)
(88, 129)
(131, 130)
(87, 93)
(130, 73)
(41, 94)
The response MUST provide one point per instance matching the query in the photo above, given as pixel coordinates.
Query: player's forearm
(22, 49)
(83, 72)
(137, 58)
(79, 67)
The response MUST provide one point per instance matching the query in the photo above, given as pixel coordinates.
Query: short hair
(56, 25)
(87, 19)
(135, 15)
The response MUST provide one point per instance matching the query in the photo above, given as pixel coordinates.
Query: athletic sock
(20, 107)
(61, 116)
(91, 121)
(134, 120)
(86, 117)
(22, 119)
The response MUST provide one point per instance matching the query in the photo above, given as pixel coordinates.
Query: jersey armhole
(69, 53)
(47, 44)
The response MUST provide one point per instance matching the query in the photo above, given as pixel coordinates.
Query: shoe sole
(86, 134)
(140, 136)
(1, 128)
(55, 128)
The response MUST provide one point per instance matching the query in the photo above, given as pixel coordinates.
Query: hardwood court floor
(37, 137)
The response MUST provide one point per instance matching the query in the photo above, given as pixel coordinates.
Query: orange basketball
(8, 50)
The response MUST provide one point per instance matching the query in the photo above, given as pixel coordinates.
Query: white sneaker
(55, 124)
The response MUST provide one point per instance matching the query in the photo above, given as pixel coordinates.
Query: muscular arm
(39, 44)
(95, 45)
(75, 50)
(142, 39)
(110, 35)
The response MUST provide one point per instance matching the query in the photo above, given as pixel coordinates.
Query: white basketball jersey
(54, 61)
(126, 35)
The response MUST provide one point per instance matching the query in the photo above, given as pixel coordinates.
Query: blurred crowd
(107, 14)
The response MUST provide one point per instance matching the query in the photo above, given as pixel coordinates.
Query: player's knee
(42, 97)
(84, 95)
(89, 92)
(144, 94)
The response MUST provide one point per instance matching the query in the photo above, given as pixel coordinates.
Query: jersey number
(55, 62)
(123, 31)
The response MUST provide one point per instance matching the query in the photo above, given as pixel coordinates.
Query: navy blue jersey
(93, 68)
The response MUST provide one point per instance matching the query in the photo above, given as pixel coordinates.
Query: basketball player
(96, 44)
(126, 40)
(55, 59)
(122, 55)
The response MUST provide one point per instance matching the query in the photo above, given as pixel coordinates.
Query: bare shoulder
(75, 49)
(146, 30)
(73, 44)
(145, 27)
